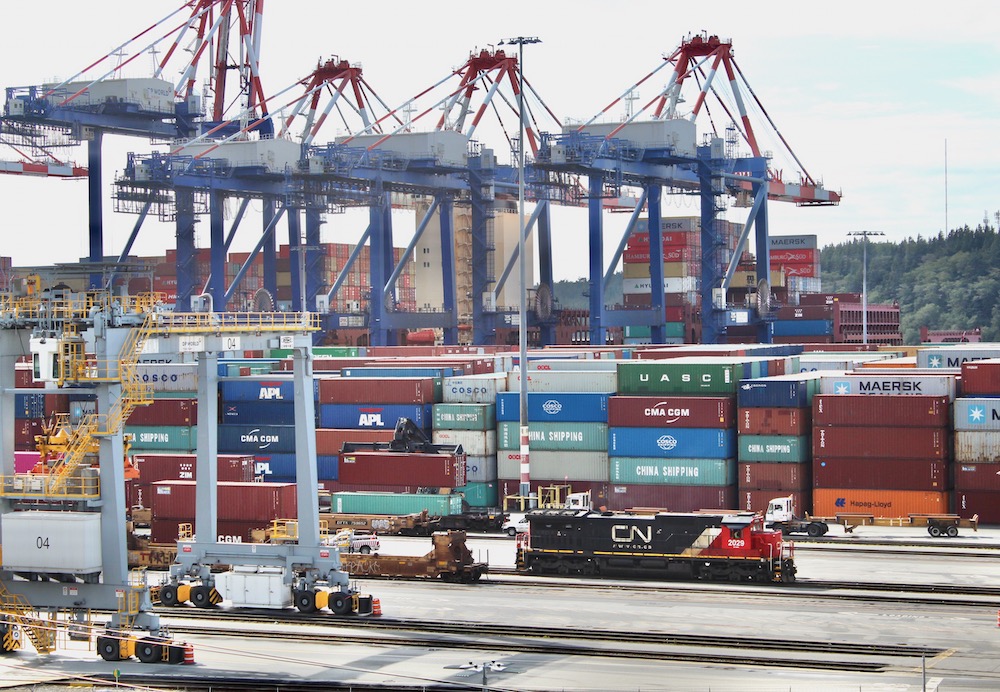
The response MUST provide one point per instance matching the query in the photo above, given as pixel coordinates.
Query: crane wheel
(168, 595)
(149, 651)
(305, 601)
(340, 603)
(109, 648)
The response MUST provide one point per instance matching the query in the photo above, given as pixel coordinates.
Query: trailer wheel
(201, 596)
(339, 603)
(934, 530)
(108, 648)
(814, 530)
(305, 601)
(148, 651)
(952, 531)
(168, 595)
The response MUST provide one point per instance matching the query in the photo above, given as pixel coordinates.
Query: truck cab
(780, 516)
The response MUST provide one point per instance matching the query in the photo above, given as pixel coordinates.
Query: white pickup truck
(352, 541)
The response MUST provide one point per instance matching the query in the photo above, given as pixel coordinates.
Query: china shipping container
(888, 384)
(464, 417)
(331, 440)
(658, 471)
(564, 381)
(569, 437)
(880, 442)
(890, 474)
(476, 442)
(762, 475)
(671, 411)
(673, 498)
(985, 503)
(888, 410)
(473, 389)
(757, 500)
(427, 470)
(257, 502)
(581, 407)
(977, 414)
(774, 448)
(166, 412)
(373, 416)
(774, 421)
(828, 502)
(711, 443)
(363, 390)
(171, 438)
(976, 476)
(981, 377)
(975, 446)
(569, 467)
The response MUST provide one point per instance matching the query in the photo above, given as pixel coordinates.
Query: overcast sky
(866, 93)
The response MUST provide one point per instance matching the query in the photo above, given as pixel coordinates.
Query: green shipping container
(395, 503)
(465, 416)
(163, 438)
(671, 377)
(671, 330)
(658, 471)
(481, 494)
(319, 352)
(775, 448)
(567, 437)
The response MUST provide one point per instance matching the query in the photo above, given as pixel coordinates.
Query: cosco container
(888, 410)
(954, 356)
(766, 475)
(828, 502)
(708, 443)
(976, 446)
(395, 503)
(481, 469)
(671, 411)
(654, 470)
(985, 503)
(581, 407)
(166, 412)
(373, 415)
(476, 442)
(679, 376)
(473, 389)
(384, 390)
(774, 421)
(257, 412)
(403, 468)
(981, 378)
(774, 448)
(480, 494)
(169, 377)
(564, 381)
(331, 440)
(255, 439)
(891, 474)
(259, 502)
(976, 475)
(880, 442)
(672, 498)
(164, 437)
(894, 385)
(569, 437)
(977, 414)
(788, 391)
(465, 416)
(568, 467)
(58, 542)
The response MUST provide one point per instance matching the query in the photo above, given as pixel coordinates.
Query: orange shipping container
(828, 502)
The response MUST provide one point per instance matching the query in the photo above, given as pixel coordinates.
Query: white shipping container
(682, 284)
(793, 242)
(976, 414)
(60, 542)
(169, 377)
(473, 389)
(253, 587)
(901, 385)
(565, 381)
(570, 466)
(977, 446)
(481, 469)
(954, 356)
(474, 442)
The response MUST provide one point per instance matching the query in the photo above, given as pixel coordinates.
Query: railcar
(699, 545)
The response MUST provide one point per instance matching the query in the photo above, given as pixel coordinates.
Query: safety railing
(217, 322)
(17, 608)
(41, 486)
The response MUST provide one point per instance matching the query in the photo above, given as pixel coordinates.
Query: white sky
(866, 94)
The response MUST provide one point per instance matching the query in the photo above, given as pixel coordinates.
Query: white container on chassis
(255, 587)
(60, 542)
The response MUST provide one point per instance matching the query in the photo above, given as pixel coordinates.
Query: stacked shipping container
(977, 441)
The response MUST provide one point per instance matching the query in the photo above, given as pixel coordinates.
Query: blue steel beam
(269, 248)
(295, 260)
(184, 199)
(95, 202)
(657, 329)
(595, 257)
(632, 221)
(217, 251)
(314, 257)
(131, 240)
(482, 177)
(266, 239)
(514, 255)
(545, 272)
(352, 258)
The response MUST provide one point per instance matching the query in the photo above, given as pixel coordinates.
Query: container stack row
(977, 441)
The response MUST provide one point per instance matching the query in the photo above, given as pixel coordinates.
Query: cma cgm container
(564, 381)
(568, 437)
(254, 439)
(774, 421)
(473, 389)
(880, 442)
(373, 415)
(981, 378)
(895, 385)
(980, 414)
(582, 407)
(258, 502)
(774, 448)
(711, 443)
(679, 376)
(652, 470)
(364, 390)
(477, 442)
(465, 417)
(890, 474)
(395, 503)
(828, 502)
(762, 475)
(568, 467)
(671, 411)
(673, 498)
(888, 410)
(402, 468)
(786, 391)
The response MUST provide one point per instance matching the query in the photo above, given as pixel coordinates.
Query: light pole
(524, 489)
(864, 279)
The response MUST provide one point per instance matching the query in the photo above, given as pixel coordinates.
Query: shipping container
(283, 467)
(166, 412)
(879, 442)
(708, 443)
(169, 377)
(473, 389)
(673, 498)
(757, 500)
(408, 371)
(256, 502)
(480, 469)
(402, 468)
(775, 421)
(564, 381)
(580, 407)
(569, 467)
(257, 412)
(981, 378)
(976, 475)
(465, 417)
(977, 414)
(566, 436)
(671, 411)
(679, 376)
(985, 503)
(828, 502)
(975, 446)
(166, 530)
(395, 503)
(889, 384)
(577, 364)
(890, 474)
(177, 467)
(25, 461)
(774, 448)
(24, 433)
(171, 438)
(56, 542)
(254, 439)
(774, 476)
(271, 388)
(331, 440)
(373, 416)
(801, 327)
(654, 470)
(888, 410)
(475, 442)
(954, 356)
(781, 391)
(29, 405)
(382, 390)
(480, 495)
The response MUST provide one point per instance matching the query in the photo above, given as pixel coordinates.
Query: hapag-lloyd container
(564, 381)
(976, 476)
(475, 442)
(165, 412)
(256, 439)
(977, 414)
(425, 470)
(373, 415)
(257, 412)
(888, 410)
(473, 389)
(955, 356)
(974, 446)
(653, 470)
(985, 503)
(774, 448)
(981, 378)
(481, 469)
(788, 391)
(880, 442)
(890, 474)
(395, 503)
(565, 466)
(707, 443)
(766, 475)
(565, 436)
(680, 376)
(260, 502)
(170, 438)
(581, 407)
(672, 498)
(758, 499)
(331, 440)
(891, 384)
(671, 411)
(365, 390)
(774, 421)
(828, 502)
(465, 417)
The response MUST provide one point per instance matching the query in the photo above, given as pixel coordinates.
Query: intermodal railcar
(699, 545)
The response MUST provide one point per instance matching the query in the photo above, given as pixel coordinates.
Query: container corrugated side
(890, 384)
(373, 416)
(707, 443)
(258, 502)
(985, 503)
(774, 448)
(164, 437)
(774, 421)
(402, 468)
(581, 407)
(881, 442)
(578, 364)
(168, 377)
(163, 467)
(975, 446)
(255, 439)
(331, 440)
(802, 327)
(671, 411)
(566, 466)
(394, 503)
(976, 475)
(888, 410)
(568, 437)
(653, 470)
(785, 391)
(385, 390)
(166, 412)
(564, 381)
(765, 475)
(890, 474)
(678, 376)
(59, 542)
(473, 389)
(828, 502)
(258, 389)
(475, 442)
(977, 414)
(283, 467)
(981, 378)
(673, 498)
(955, 356)
(481, 469)
(257, 412)
(465, 417)
(480, 494)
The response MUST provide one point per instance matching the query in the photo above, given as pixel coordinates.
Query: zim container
(708, 443)
(828, 502)
(394, 503)
(767, 475)
(888, 410)
(465, 417)
(569, 437)
(582, 407)
(671, 411)
(976, 476)
(671, 498)
(165, 467)
(890, 474)
(774, 421)
(880, 442)
(774, 448)
(652, 470)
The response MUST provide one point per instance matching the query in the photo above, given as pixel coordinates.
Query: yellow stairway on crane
(20, 612)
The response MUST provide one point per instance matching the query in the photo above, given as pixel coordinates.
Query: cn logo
(841, 502)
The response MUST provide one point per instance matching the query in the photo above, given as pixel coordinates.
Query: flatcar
(699, 545)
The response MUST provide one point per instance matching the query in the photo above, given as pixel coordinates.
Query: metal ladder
(43, 637)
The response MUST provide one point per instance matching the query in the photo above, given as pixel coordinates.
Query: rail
(220, 322)
(39, 486)
(17, 608)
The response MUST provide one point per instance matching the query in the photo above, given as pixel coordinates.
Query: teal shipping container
(481, 494)
(465, 416)
(658, 471)
(780, 449)
(163, 438)
(566, 436)
(395, 503)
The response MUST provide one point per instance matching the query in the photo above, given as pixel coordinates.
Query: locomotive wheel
(148, 651)
(340, 603)
(168, 595)
(305, 601)
(952, 531)
(562, 569)
(108, 648)
(201, 596)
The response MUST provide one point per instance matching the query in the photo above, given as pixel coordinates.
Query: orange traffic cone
(188, 654)
(376, 608)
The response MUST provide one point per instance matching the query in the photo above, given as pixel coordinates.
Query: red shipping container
(775, 421)
(671, 411)
(256, 502)
(232, 468)
(364, 390)
(887, 410)
(828, 298)
(25, 430)
(22, 377)
(775, 476)
(985, 503)
(329, 441)
(805, 312)
(395, 468)
(757, 500)
(640, 254)
(976, 476)
(789, 269)
(56, 403)
(673, 498)
(180, 412)
(802, 340)
(166, 530)
(880, 442)
(981, 378)
(828, 502)
(806, 256)
(890, 474)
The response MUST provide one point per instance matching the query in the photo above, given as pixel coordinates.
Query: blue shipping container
(782, 391)
(580, 407)
(373, 416)
(257, 412)
(697, 443)
(29, 406)
(273, 466)
(256, 439)
(261, 389)
(802, 328)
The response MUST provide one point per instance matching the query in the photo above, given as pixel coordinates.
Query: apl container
(568, 467)
(976, 476)
(465, 416)
(679, 376)
(880, 442)
(975, 446)
(672, 498)
(581, 407)
(373, 416)
(564, 381)
(775, 421)
(977, 414)
(786, 391)
(392, 503)
(365, 390)
(475, 442)
(164, 437)
(256, 439)
(708, 443)
(671, 411)
(654, 470)
(981, 378)
(774, 448)
(473, 389)
(774, 477)
(890, 384)
(257, 412)
(889, 410)
(569, 437)
(890, 474)
(828, 502)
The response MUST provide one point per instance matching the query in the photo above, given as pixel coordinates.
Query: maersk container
(891, 474)
(879, 442)
(670, 411)
(475, 442)
(395, 503)
(977, 414)
(774, 421)
(976, 475)
(955, 356)
(673, 498)
(257, 412)
(366, 416)
(180, 438)
(465, 416)
(974, 446)
(481, 469)
(166, 412)
(655, 470)
(566, 436)
(566, 466)
(480, 494)
(985, 503)
(774, 477)
(788, 391)
(828, 502)
(889, 384)
(888, 410)
(774, 448)
(473, 389)
(981, 378)
(169, 377)
(385, 390)
(564, 381)
(708, 443)
(580, 407)
(256, 439)
(58, 542)
(679, 376)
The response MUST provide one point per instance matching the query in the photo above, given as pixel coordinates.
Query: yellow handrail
(42, 636)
